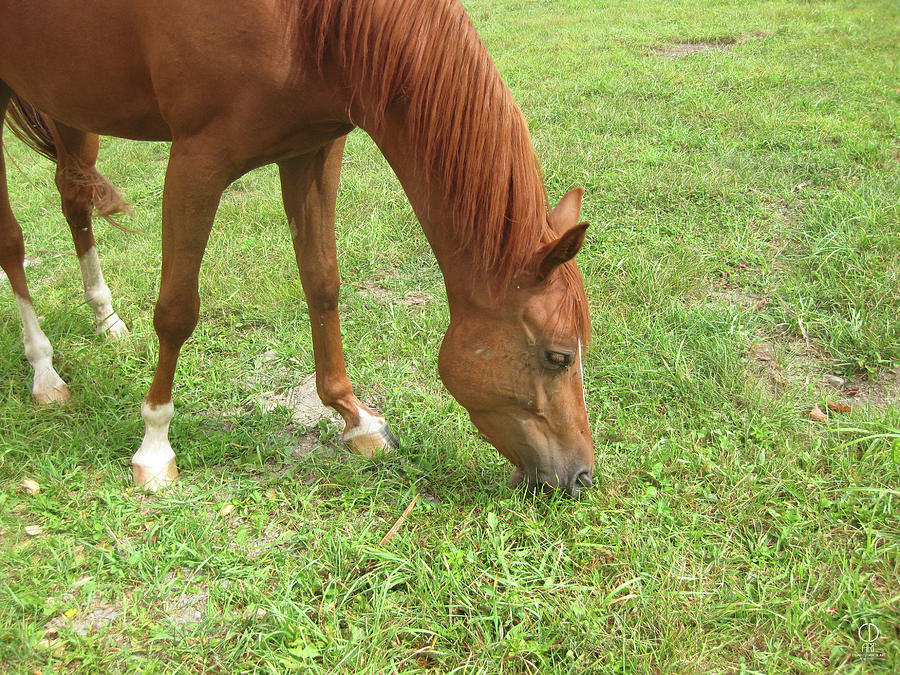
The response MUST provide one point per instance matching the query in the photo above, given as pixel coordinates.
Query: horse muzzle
(572, 483)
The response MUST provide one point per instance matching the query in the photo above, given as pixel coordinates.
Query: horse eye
(559, 359)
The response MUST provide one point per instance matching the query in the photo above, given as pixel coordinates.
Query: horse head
(515, 363)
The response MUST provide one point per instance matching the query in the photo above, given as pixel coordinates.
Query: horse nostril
(583, 479)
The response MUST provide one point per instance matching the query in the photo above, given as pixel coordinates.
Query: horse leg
(78, 182)
(194, 184)
(47, 387)
(309, 190)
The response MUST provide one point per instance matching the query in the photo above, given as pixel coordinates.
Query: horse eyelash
(559, 359)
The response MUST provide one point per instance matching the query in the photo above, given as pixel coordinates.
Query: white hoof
(49, 388)
(371, 436)
(57, 395)
(113, 327)
(153, 464)
(151, 478)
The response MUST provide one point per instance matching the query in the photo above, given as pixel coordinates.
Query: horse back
(153, 69)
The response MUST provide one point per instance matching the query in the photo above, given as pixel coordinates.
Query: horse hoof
(114, 328)
(371, 436)
(152, 479)
(58, 393)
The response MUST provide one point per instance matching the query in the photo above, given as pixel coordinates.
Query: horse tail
(30, 126)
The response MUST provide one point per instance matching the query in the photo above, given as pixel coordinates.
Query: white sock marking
(368, 424)
(48, 385)
(155, 452)
(98, 296)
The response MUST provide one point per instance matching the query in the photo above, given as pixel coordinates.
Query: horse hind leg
(83, 189)
(47, 386)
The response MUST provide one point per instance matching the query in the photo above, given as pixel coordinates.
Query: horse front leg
(194, 184)
(83, 189)
(47, 386)
(309, 190)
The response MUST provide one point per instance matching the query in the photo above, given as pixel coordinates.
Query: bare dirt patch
(739, 297)
(780, 366)
(303, 402)
(267, 391)
(90, 620)
(679, 49)
(878, 392)
(372, 289)
(414, 298)
(187, 607)
(384, 296)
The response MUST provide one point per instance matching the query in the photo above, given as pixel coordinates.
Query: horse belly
(83, 68)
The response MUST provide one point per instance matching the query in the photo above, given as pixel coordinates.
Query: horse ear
(554, 254)
(565, 214)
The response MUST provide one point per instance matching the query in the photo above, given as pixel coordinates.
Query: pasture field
(740, 161)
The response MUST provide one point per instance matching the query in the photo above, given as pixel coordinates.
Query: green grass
(744, 203)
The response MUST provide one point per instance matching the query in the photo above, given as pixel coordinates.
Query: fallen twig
(391, 532)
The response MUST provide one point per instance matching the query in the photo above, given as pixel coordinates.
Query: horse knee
(323, 295)
(174, 321)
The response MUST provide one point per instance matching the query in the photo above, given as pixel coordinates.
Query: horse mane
(469, 133)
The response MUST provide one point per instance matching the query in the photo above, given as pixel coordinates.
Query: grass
(741, 167)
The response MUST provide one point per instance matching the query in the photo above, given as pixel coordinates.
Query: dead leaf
(851, 390)
(816, 414)
(30, 486)
(799, 187)
(763, 357)
(838, 407)
(33, 530)
(761, 304)
(226, 510)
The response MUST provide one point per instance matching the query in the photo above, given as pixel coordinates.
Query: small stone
(33, 530)
(30, 486)
(835, 381)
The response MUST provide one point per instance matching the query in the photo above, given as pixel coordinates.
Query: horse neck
(464, 279)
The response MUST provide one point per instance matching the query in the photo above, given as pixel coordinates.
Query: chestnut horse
(238, 85)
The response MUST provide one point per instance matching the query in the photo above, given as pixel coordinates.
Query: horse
(234, 86)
